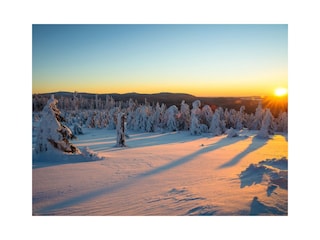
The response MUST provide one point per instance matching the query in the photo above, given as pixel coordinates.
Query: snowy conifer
(216, 127)
(267, 126)
(171, 117)
(75, 101)
(206, 115)
(240, 118)
(121, 142)
(111, 118)
(157, 116)
(53, 134)
(282, 122)
(195, 115)
(130, 114)
(258, 117)
(184, 116)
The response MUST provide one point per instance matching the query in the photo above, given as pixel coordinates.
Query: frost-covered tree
(130, 114)
(184, 116)
(240, 118)
(258, 117)
(222, 119)
(267, 126)
(111, 118)
(157, 116)
(249, 120)
(75, 101)
(206, 115)
(150, 120)
(53, 134)
(162, 120)
(141, 118)
(121, 141)
(171, 117)
(217, 127)
(110, 103)
(282, 122)
(195, 128)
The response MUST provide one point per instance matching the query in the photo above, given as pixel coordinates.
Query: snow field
(161, 174)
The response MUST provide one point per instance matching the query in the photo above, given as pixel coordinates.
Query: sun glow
(279, 92)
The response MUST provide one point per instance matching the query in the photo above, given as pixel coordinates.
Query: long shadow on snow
(137, 140)
(131, 181)
(255, 144)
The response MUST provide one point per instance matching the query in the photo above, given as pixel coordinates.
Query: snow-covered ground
(172, 173)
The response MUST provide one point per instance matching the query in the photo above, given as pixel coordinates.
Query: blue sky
(204, 60)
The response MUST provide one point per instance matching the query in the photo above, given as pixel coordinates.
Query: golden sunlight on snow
(164, 174)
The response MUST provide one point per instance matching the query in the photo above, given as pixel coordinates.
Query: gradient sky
(203, 60)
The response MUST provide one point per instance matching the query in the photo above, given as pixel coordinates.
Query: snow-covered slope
(172, 173)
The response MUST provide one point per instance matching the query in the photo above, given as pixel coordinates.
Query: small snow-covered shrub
(86, 152)
(232, 133)
(77, 129)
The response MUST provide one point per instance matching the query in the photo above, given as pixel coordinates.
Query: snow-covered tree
(184, 116)
(121, 141)
(249, 120)
(111, 117)
(267, 126)
(157, 116)
(141, 118)
(216, 126)
(130, 114)
(240, 118)
(282, 122)
(53, 134)
(195, 115)
(258, 117)
(171, 117)
(75, 101)
(206, 115)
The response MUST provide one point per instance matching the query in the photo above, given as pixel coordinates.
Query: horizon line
(139, 93)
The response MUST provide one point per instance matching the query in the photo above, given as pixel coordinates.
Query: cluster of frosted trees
(197, 119)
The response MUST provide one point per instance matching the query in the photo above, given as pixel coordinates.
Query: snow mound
(259, 208)
(273, 171)
(56, 157)
(232, 133)
(90, 155)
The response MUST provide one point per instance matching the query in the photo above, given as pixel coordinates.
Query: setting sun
(279, 92)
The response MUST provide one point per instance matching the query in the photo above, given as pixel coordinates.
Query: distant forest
(68, 100)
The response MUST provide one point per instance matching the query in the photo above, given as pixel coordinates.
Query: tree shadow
(133, 180)
(136, 140)
(255, 144)
(258, 208)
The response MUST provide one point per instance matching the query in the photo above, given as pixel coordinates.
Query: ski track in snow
(164, 174)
